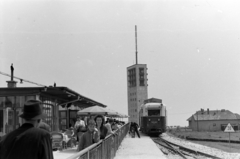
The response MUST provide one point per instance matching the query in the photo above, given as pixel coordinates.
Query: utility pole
(197, 121)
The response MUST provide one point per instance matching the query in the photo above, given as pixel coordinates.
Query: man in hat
(28, 141)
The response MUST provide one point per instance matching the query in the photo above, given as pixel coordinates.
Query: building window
(48, 108)
(132, 77)
(2, 102)
(2, 106)
(10, 101)
(20, 101)
(1, 119)
(141, 76)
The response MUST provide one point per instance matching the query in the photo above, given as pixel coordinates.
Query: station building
(137, 89)
(213, 120)
(59, 103)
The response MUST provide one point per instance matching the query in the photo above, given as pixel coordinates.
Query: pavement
(138, 148)
(64, 153)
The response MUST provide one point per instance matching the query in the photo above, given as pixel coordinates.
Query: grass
(232, 147)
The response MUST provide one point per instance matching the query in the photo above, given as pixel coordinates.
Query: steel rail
(171, 148)
(163, 145)
(191, 150)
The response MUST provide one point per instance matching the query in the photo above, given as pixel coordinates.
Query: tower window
(132, 77)
(141, 76)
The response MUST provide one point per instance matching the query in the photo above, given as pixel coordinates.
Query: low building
(59, 103)
(213, 120)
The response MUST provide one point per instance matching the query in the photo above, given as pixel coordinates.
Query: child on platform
(90, 137)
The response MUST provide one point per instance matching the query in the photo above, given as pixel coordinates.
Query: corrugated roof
(215, 115)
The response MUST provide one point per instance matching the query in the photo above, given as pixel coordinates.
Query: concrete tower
(137, 87)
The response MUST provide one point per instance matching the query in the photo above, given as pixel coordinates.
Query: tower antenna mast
(136, 44)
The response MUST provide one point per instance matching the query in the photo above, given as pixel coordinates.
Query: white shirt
(108, 126)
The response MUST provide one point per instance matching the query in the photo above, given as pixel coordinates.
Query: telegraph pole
(197, 121)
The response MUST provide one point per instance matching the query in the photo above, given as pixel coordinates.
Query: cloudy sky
(191, 48)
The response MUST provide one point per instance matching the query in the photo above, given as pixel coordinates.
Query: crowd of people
(93, 129)
(32, 140)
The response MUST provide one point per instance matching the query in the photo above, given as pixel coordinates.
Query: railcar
(153, 117)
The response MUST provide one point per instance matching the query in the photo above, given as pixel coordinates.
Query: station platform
(130, 148)
(64, 153)
(139, 148)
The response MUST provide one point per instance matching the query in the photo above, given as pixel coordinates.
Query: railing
(104, 149)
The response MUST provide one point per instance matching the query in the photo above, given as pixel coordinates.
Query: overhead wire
(21, 79)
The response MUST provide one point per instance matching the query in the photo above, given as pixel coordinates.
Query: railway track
(183, 152)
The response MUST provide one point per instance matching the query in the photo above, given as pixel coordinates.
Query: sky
(191, 48)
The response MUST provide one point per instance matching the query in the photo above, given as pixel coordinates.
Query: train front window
(153, 112)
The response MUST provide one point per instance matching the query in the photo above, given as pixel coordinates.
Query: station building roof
(63, 94)
(214, 115)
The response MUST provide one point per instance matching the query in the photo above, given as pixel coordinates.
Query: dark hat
(110, 120)
(32, 109)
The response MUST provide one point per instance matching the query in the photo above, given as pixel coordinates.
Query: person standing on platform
(85, 119)
(135, 127)
(28, 141)
(109, 126)
(114, 126)
(90, 137)
(99, 119)
(79, 128)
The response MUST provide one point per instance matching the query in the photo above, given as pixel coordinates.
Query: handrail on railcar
(104, 149)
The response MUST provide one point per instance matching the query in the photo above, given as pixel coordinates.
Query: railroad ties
(170, 148)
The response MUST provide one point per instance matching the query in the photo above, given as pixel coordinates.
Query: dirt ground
(225, 146)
